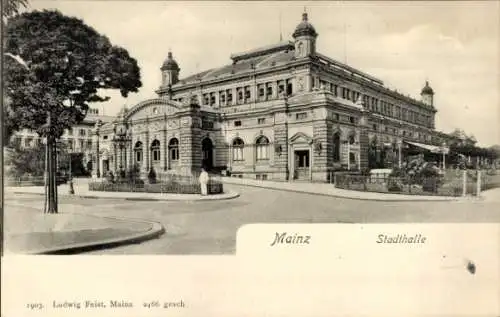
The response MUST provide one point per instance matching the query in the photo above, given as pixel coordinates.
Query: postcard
(316, 158)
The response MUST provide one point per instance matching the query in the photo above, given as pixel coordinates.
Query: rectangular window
(335, 90)
(301, 116)
(352, 120)
(105, 137)
(138, 156)
(374, 127)
(82, 144)
(223, 98)
(89, 144)
(156, 155)
(247, 93)
(229, 97)
(289, 89)
(240, 95)
(261, 92)
(261, 120)
(337, 117)
(237, 123)
(82, 132)
(281, 89)
(264, 177)
(212, 100)
(269, 91)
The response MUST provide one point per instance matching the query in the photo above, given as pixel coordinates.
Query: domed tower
(305, 38)
(427, 94)
(170, 71)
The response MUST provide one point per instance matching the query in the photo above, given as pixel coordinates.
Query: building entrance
(302, 164)
(207, 158)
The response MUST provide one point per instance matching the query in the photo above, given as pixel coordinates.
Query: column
(147, 152)
(115, 158)
(363, 140)
(131, 152)
(164, 147)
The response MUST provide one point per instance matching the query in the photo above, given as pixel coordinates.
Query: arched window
(262, 147)
(138, 152)
(155, 150)
(173, 149)
(238, 146)
(336, 147)
(300, 48)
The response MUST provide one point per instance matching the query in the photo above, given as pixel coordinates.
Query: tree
(59, 65)
(11, 8)
(22, 161)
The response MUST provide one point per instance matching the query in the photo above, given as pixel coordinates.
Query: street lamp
(443, 150)
(400, 145)
(287, 169)
(71, 188)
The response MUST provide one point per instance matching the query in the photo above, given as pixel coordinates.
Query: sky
(454, 45)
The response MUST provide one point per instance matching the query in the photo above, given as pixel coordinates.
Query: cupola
(170, 71)
(427, 94)
(305, 38)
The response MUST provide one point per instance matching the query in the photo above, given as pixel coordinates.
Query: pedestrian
(203, 179)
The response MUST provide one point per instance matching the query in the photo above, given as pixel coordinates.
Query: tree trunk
(52, 185)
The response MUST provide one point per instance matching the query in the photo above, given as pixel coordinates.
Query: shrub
(110, 177)
(394, 184)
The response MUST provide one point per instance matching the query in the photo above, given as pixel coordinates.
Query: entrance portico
(301, 163)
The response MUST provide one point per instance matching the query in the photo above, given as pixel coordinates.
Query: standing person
(203, 179)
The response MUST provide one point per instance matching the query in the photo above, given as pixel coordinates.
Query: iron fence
(450, 183)
(173, 185)
(25, 181)
(434, 186)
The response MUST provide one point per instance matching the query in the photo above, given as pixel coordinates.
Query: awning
(430, 148)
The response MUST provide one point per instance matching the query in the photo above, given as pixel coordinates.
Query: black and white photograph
(163, 127)
(250, 158)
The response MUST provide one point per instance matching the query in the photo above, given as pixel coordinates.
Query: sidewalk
(82, 190)
(492, 195)
(330, 190)
(30, 231)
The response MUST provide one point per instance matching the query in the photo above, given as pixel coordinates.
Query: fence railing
(177, 185)
(427, 186)
(31, 181)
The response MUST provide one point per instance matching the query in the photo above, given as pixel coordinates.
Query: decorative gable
(152, 108)
(301, 137)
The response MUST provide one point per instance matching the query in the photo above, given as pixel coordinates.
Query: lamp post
(71, 188)
(348, 155)
(400, 145)
(287, 168)
(443, 150)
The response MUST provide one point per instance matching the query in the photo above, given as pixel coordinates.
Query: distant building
(77, 139)
(280, 112)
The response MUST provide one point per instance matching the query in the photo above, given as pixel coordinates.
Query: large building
(78, 139)
(279, 112)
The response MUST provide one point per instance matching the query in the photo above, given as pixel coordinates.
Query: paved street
(210, 227)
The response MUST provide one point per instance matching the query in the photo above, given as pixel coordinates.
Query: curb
(154, 232)
(445, 198)
(229, 195)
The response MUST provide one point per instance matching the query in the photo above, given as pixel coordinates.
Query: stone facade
(282, 112)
